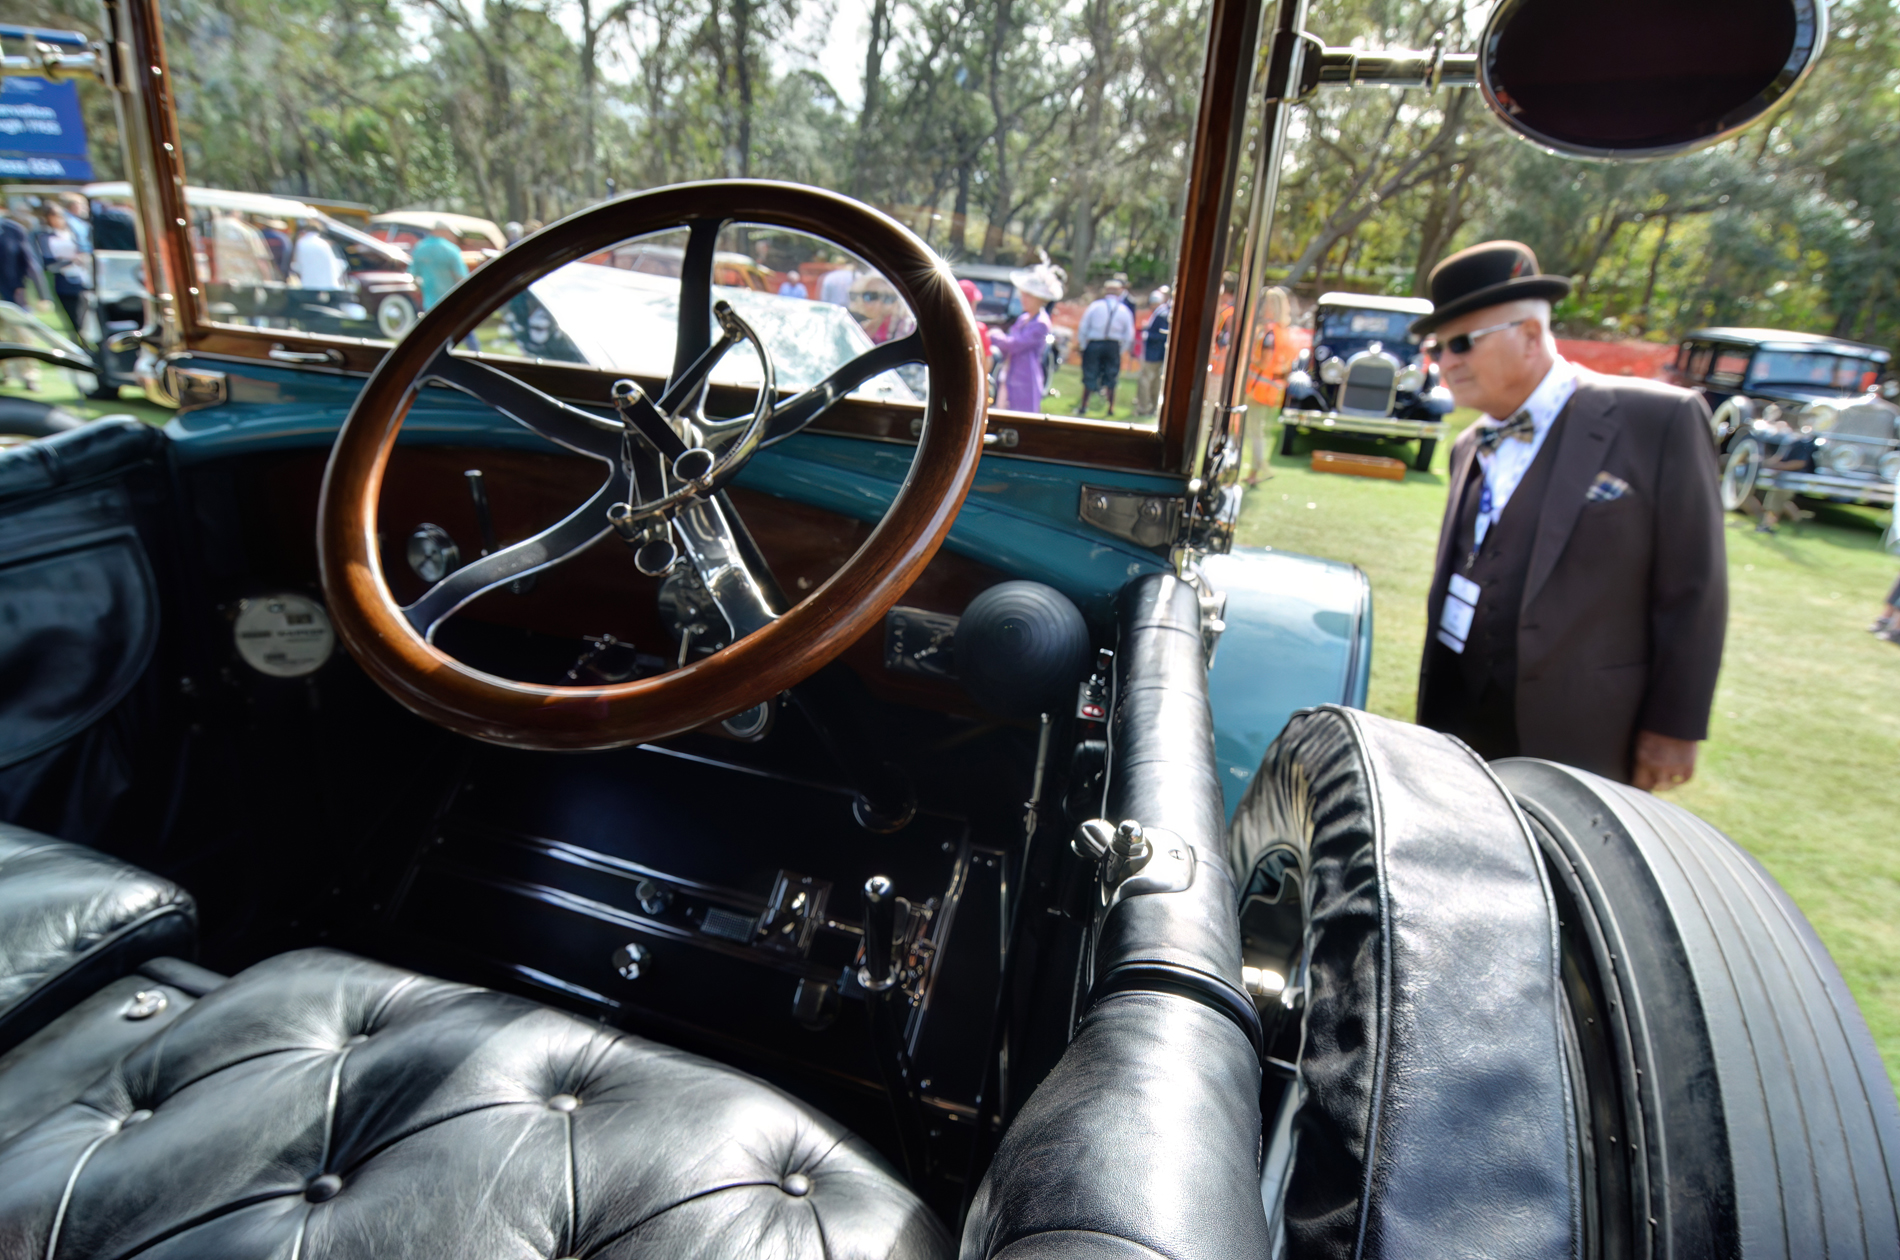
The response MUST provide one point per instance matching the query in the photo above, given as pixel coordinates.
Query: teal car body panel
(1299, 629)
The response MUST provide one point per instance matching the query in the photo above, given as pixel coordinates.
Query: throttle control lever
(879, 971)
(888, 1008)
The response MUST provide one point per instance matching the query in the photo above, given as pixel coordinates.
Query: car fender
(1299, 634)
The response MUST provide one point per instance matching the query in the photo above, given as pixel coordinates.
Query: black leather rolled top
(1144, 1140)
(1162, 774)
(1437, 1119)
(71, 921)
(76, 455)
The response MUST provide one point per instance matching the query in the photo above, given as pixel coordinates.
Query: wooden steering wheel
(666, 463)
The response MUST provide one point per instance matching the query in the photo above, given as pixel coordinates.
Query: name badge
(1461, 606)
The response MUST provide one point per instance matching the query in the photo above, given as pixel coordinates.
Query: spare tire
(1713, 1034)
(24, 417)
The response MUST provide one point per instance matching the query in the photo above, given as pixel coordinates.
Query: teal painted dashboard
(1298, 629)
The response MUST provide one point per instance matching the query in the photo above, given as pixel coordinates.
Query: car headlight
(1298, 382)
(1819, 416)
(1843, 457)
(1410, 379)
(1890, 466)
(1333, 370)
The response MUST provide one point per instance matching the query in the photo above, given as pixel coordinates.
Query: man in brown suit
(1581, 594)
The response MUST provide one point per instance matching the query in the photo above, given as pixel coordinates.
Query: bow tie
(1519, 426)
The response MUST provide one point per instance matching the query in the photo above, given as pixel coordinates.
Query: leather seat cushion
(321, 1105)
(71, 921)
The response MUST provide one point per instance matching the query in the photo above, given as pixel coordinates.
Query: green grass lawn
(1802, 766)
(56, 386)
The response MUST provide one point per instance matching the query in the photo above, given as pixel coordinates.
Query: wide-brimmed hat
(1044, 280)
(1490, 274)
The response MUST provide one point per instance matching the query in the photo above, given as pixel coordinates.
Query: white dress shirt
(315, 263)
(1107, 319)
(1505, 468)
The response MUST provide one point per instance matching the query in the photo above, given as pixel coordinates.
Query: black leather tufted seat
(320, 1105)
(72, 920)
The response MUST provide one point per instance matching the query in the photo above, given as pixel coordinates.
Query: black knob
(880, 931)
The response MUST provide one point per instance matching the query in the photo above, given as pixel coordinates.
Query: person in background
(438, 266)
(19, 276)
(973, 296)
(1106, 334)
(511, 232)
(78, 219)
(1887, 625)
(835, 288)
(879, 308)
(1026, 340)
(238, 254)
(70, 266)
(276, 235)
(793, 286)
(1266, 371)
(113, 228)
(1581, 593)
(315, 263)
(1154, 352)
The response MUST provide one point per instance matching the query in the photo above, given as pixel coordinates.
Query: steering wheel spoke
(712, 548)
(695, 303)
(533, 410)
(574, 533)
(795, 413)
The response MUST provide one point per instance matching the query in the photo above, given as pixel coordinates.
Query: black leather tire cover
(1747, 1075)
(1437, 1117)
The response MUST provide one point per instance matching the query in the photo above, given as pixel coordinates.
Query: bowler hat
(1490, 274)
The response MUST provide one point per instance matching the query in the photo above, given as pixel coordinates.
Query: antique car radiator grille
(1368, 387)
(1866, 422)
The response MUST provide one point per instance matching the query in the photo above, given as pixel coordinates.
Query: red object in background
(1650, 360)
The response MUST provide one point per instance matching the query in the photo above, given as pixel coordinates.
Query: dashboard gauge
(432, 554)
(285, 636)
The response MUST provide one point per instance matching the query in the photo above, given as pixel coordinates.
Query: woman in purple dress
(1023, 345)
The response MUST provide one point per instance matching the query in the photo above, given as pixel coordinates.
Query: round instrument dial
(285, 636)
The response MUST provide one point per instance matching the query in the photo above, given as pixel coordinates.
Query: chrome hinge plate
(1147, 520)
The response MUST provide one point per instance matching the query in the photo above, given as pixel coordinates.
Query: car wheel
(25, 418)
(1726, 422)
(1710, 1031)
(395, 315)
(1427, 448)
(1288, 436)
(1739, 472)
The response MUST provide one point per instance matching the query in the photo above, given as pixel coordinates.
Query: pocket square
(1606, 488)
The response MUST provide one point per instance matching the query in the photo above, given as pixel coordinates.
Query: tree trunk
(960, 213)
(1000, 188)
(742, 66)
(873, 89)
(1655, 265)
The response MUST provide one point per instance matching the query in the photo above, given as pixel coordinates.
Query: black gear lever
(879, 971)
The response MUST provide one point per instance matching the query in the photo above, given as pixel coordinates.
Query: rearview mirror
(1643, 78)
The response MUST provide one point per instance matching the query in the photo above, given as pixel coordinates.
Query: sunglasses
(867, 295)
(1461, 343)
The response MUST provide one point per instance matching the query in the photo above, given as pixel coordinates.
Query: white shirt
(1107, 319)
(1505, 468)
(315, 263)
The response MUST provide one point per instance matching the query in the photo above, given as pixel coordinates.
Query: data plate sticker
(285, 636)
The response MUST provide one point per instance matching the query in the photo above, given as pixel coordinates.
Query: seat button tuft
(146, 1003)
(563, 1102)
(357, 1040)
(324, 1188)
(798, 1185)
(138, 1117)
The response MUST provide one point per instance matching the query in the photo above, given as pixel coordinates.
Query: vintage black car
(464, 804)
(1805, 414)
(1364, 375)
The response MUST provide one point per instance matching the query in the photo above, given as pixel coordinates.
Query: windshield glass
(1346, 324)
(1012, 135)
(1817, 371)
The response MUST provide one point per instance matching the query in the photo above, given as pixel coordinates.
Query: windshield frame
(154, 157)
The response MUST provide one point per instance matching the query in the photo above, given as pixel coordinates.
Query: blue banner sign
(42, 136)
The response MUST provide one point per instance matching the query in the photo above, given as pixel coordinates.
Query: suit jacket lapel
(1464, 465)
(1589, 429)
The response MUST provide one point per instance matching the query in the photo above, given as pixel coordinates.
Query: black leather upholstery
(71, 921)
(1144, 1140)
(1437, 1118)
(76, 455)
(56, 1064)
(320, 1105)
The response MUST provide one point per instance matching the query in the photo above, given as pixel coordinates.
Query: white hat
(1044, 280)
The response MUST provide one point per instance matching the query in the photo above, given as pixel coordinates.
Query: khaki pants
(1148, 389)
